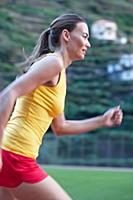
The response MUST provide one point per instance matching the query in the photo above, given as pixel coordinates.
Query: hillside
(22, 21)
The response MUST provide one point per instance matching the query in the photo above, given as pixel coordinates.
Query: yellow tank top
(32, 116)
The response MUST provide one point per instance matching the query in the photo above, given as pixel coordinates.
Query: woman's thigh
(48, 189)
(6, 194)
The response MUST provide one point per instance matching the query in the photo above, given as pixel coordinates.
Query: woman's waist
(28, 124)
(22, 136)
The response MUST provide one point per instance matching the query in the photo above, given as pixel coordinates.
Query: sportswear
(32, 116)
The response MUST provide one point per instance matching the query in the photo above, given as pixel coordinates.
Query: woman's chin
(81, 57)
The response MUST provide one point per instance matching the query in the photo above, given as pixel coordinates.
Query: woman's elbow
(58, 131)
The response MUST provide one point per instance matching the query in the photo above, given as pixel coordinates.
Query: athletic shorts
(17, 169)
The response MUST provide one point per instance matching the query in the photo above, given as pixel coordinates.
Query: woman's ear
(66, 35)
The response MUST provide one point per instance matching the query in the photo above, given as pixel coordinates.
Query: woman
(36, 101)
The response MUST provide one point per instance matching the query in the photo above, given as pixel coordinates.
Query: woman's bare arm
(61, 126)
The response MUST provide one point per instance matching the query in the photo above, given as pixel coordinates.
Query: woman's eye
(85, 36)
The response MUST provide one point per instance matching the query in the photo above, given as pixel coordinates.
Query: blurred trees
(90, 90)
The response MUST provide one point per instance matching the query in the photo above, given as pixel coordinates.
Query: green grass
(86, 184)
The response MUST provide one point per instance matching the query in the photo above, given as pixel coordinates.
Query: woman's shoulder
(53, 58)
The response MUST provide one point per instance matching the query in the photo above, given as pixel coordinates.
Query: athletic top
(32, 116)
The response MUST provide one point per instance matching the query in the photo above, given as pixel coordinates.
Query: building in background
(123, 70)
(104, 30)
(107, 30)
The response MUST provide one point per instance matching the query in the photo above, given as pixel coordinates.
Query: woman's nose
(88, 44)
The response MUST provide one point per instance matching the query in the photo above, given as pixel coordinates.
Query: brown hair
(50, 38)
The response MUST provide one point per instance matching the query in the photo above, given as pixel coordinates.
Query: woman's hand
(112, 117)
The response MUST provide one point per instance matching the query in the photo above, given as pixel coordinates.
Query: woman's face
(78, 42)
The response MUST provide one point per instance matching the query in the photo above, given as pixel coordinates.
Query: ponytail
(41, 48)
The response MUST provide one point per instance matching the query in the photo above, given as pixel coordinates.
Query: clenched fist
(112, 117)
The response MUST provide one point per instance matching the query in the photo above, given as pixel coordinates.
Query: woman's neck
(64, 56)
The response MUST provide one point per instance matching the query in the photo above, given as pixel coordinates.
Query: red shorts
(17, 169)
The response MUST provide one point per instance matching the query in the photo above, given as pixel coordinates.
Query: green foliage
(90, 91)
